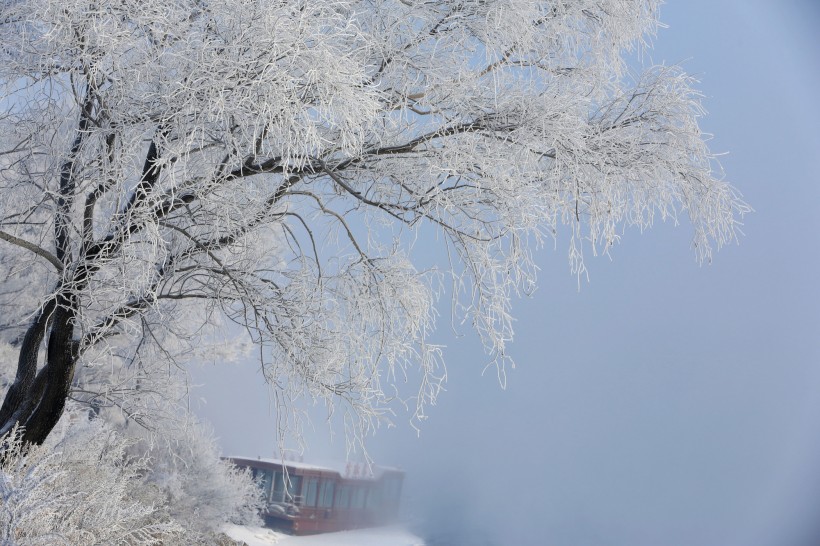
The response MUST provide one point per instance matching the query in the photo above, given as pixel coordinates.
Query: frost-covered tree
(170, 167)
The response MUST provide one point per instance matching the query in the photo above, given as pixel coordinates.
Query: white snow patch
(252, 536)
(379, 536)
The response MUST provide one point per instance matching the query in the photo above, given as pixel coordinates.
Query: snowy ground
(380, 536)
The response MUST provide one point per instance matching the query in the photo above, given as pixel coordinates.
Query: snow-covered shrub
(102, 479)
(80, 489)
(201, 491)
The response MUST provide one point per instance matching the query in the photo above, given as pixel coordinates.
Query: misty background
(663, 403)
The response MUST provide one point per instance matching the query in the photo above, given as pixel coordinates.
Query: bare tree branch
(22, 243)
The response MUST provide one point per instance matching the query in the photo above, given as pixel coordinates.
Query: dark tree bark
(19, 400)
(58, 374)
(35, 400)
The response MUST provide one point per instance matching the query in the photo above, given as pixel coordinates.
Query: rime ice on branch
(169, 165)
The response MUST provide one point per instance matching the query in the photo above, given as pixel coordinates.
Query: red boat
(305, 499)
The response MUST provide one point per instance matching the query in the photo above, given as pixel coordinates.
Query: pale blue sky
(665, 403)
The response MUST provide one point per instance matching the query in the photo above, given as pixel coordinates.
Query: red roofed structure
(305, 499)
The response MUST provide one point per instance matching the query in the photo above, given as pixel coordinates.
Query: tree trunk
(35, 400)
(18, 398)
(59, 372)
